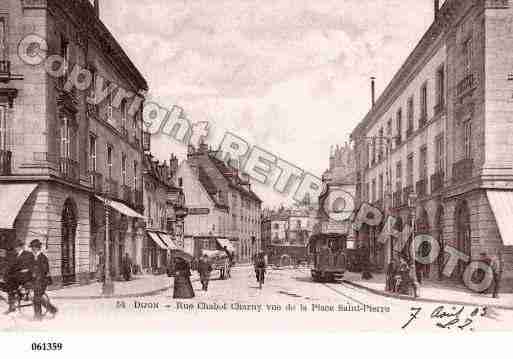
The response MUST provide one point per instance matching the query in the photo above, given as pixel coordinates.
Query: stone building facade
(221, 203)
(442, 130)
(59, 150)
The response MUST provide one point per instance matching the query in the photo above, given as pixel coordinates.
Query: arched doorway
(463, 234)
(68, 231)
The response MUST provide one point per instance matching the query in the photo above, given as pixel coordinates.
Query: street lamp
(108, 284)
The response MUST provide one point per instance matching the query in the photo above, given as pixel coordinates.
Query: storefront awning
(157, 240)
(168, 241)
(121, 208)
(224, 242)
(502, 207)
(12, 198)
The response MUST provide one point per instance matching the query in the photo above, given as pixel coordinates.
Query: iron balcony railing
(5, 162)
(462, 170)
(69, 169)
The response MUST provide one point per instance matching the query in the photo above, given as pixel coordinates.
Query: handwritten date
(448, 318)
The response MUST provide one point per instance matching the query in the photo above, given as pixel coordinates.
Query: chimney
(97, 7)
(437, 8)
(373, 91)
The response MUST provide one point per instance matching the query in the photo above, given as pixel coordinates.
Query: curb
(120, 296)
(427, 300)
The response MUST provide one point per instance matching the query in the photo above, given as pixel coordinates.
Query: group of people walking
(401, 277)
(29, 269)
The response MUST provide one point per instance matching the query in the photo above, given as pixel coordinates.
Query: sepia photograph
(242, 166)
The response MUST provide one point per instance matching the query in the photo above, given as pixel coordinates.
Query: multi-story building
(285, 233)
(63, 157)
(222, 206)
(446, 117)
(164, 210)
(337, 202)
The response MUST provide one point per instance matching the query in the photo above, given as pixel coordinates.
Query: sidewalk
(139, 286)
(433, 291)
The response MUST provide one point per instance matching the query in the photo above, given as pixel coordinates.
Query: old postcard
(245, 166)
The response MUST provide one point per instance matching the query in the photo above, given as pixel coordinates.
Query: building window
(123, 169)
(440, 153)
(374, 190)
(3, 39)
(468, 139)
(92, 153)
(124, 114)
(136, 176)
(68, 139)
(440, 87)
(423, 104)
(4, 129)
(410, 114)
(109, 160)
(423, 163)
(380, 189)
(398, 176)
(467, 56)
(399, 125)
(409, 169)
(380, 141)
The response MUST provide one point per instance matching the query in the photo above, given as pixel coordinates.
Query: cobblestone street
(238, 305)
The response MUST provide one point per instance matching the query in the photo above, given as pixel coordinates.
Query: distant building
(223, 209)
(164, 209)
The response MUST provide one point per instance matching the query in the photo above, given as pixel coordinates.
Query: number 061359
(47, 346)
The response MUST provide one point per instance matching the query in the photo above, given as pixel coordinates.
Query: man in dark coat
(204, 269)
(19, 272)
(42, 279)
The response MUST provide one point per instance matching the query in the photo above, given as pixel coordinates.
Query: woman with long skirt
(183, 286)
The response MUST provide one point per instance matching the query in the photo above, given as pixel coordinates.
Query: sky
(290, 76)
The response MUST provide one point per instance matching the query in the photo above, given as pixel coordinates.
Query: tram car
(328, 257)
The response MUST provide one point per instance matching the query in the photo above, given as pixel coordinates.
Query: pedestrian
(20, 264)
(413, 279)
(41, 275)
(260, 268)
(480, 275)
(390, 276)
(497, 269)
(204, 269)
(126, 267)
(182, 287)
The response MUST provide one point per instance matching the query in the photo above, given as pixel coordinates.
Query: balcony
(437, 181)
(146, 142)
(462, 170)
(465, 85)
(5, 71)
(128, 195)
(97, 182)
(69, 169)
(93, 111)
(421, 188)
(407, 191)
(112, 188)
(67, 99)
(5, 162)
